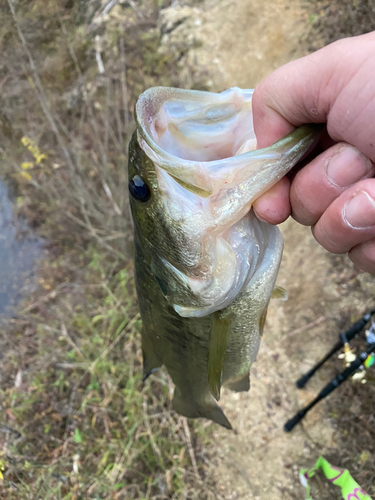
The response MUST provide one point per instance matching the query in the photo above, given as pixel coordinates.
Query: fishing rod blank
(331, 386)
(349, 335)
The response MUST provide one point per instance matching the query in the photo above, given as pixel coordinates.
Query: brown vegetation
(76, 420)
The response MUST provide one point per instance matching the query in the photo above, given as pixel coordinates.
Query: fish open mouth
(197, 126)
(203, 147)
(206, 141)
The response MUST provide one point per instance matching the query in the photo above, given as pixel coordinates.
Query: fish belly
(181, 344)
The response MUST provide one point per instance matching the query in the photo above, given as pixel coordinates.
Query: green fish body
(205, 265)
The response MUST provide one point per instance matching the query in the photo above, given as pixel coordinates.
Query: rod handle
(357, 327)
(290, 424)
(301, 382)
(349, 334)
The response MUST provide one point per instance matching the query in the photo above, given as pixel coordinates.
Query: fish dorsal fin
(217, 348)
(279, 293)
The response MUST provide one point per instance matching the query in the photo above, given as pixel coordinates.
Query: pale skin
(335, 192)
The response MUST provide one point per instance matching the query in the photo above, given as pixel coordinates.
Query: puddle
(20, 248)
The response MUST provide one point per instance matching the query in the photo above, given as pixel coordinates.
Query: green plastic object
(369, 360)
(350, 489)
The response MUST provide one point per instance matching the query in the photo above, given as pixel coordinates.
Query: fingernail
(359, 212)
(347, 166)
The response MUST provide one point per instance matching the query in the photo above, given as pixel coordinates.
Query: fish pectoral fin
(195, 409)
(279, 293)
(151, 360)
(242, 384)
(147, 373)
(217, 349)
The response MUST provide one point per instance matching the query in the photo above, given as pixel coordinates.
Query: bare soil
(239, 42)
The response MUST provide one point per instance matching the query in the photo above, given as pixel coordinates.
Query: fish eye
(139, 189)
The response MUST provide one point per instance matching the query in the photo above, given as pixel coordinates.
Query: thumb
(333, 85)
(292, 95)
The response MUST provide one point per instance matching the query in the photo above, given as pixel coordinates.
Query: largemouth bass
(205, 265)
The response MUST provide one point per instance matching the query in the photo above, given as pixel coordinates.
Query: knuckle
(304, 209)
(331, 240)
(363, 256)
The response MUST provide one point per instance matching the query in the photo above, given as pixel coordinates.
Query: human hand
(335, 192)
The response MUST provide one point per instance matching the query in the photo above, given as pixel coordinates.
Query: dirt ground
(238, 42)
(209, 44)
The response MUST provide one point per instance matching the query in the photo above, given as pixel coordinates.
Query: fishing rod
(344, 339)
(331, 386)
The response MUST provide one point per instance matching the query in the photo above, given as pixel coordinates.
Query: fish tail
(217, 349)
(194, 409)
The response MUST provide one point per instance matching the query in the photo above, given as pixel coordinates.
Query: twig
(304, 327)
(87, 225)
(122, 330)
(189, 445)
(106, 126)
(98, 56)
(51, 295)
(72, 366)
(65, 334)
(241, 471)
(106, 10)
(98, 133)
(108, 192)
(112, 392)
(124, 87)
(41, 94)
(154, 446)
(70, 47)
(136, 9)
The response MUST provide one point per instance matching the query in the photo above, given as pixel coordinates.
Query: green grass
(77, 421)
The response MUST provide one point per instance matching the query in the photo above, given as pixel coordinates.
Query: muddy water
(20, 249)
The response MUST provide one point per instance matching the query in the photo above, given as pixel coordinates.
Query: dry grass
(76, 420)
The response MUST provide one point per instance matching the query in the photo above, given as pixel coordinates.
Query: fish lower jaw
(238, 257)
(191, 312)
(212, 296)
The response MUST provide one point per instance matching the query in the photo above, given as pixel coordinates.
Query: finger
(349, 220)
(325, 178)
(279, 101)
(274, 206)
(319, 88)
(363, 256)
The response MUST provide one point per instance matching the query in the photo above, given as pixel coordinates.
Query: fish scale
(205, 266)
